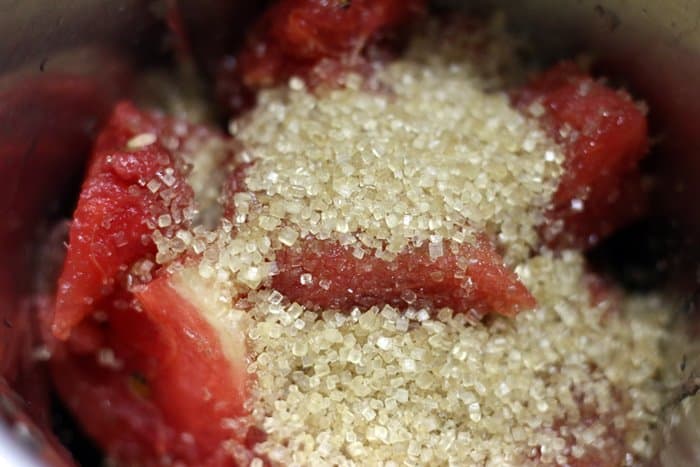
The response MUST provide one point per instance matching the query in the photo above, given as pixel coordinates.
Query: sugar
(376, 174)
(505, 398)
(141, 140)
(164, 221)
(306, 279)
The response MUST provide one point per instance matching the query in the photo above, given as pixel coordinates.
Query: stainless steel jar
(91, 47)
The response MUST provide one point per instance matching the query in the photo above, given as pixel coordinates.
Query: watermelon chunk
(201, 378)
(145, 367)
(117, 211)
(325, 275)
(163, 375)
(604, 134)
(313, 39)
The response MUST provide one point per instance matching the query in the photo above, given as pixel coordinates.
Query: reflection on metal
(10, 454)
(62, 64)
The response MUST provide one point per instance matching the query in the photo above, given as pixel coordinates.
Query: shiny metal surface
(10, 454)
(43, 29)
(61, 65)
(91, 47)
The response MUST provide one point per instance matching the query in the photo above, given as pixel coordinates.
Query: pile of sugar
(381, 388)
(428, 152)
(435, 157)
